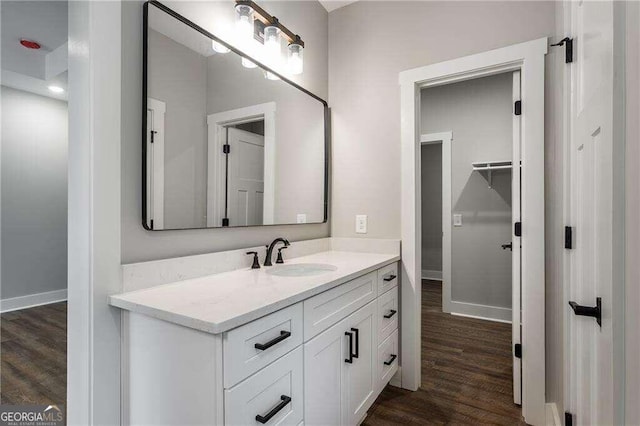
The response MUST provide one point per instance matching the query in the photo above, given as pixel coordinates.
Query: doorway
(528, 59)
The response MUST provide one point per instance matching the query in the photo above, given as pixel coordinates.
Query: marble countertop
(220, 302)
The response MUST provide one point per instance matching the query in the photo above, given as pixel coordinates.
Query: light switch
(301, 218)
(361, 224)
(457, 220)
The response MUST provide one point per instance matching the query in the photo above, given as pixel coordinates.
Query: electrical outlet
(457, 220)
(301, 218)
(361, 224)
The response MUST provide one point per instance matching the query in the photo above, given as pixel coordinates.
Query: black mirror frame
(145, 28)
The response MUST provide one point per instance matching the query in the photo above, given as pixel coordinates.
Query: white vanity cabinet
(322, 361)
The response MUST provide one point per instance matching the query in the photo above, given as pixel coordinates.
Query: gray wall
(365, 99)
(479, 113)
(432, 207)
(178, 76)
(309, 19)
(34, 193)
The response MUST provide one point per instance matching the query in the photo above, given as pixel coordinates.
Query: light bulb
(247, 63)
(270, 76)
(272, 41)
(219, 47)
(244, 21)
(296, 58)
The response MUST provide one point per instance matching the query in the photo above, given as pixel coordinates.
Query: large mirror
(225, 145)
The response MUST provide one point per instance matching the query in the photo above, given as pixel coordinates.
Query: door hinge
(153, 136)
(151, 224)
(568, 49)
(517, 350)
(225, 221)
(226, 148)
(517, 229)
(568, 237)
(568, 419)
(517, 108)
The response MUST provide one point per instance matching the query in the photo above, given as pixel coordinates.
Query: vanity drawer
(387, 360)
(387, 277)
(275, 393)
(326, 309)
(278, 333)
(388, 313)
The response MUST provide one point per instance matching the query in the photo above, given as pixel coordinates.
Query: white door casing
(155, 163)
(529, 58)
(445, 138)
(245, 178)
(216, 138)
(591, 212)
(516, 282)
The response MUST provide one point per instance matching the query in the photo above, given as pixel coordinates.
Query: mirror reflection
(227, 142)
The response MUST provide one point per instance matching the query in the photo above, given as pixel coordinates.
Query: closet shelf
(492, 165)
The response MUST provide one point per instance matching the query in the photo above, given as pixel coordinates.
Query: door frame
(445, 139)
(216, 124)
(529, 58)
(155, 173)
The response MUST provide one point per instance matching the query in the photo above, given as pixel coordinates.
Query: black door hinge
(517, 108)
(151, 224)
(517, 229)
(517, 350)
(153, 135)
(226, 148)
(568, 237)
(568, 419)
(225, 221)
(568, 49)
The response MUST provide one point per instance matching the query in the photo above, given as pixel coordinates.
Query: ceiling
(44, 22)
(335, 4)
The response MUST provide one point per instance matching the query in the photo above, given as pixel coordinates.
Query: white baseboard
(428, 274)
(552, 415)
(490, 313)
(31, 300)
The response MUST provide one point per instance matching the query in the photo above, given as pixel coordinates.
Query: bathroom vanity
(313, 341)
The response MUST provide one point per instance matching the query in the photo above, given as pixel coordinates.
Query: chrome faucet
(270, 247)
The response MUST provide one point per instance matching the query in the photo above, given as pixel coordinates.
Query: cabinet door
(359, 376)
(339, 387)
(324, 356)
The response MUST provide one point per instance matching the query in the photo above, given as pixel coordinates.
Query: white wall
(177, 76)
(34, 193)
(632, 291)
(309, 19)
(432, 207)
(479, 113)
(365, 100)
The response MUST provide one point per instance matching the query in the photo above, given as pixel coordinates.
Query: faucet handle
(280, 259)
(256, 263)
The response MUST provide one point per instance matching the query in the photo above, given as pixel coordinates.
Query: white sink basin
(301, 269)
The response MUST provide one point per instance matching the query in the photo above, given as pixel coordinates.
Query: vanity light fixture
(248, 11)
(244, 21)
(56, 89)
(296, 56)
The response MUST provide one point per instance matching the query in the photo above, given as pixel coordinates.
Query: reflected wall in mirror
(225, 145)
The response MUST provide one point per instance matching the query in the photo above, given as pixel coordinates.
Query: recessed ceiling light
(56, 89)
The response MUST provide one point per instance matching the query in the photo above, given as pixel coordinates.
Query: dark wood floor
(33, 360)
(466, 373)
